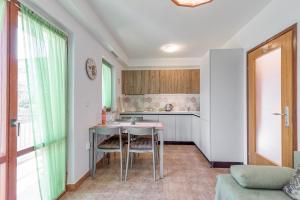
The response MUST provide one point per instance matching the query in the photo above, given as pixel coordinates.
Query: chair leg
(157, 155)
(121, 164)
(154, 165)
(131, 159)
(127, 163)
(108, 158)
(157, 149)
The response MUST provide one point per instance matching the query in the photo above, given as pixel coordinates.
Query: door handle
(17, 124)
(286, 116)
(278, 114)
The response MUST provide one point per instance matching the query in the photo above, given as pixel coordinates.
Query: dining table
(94, 134)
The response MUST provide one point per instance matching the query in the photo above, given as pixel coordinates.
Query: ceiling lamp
(170, 48)
(191, 3)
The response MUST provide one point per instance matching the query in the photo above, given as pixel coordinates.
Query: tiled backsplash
(154, 102)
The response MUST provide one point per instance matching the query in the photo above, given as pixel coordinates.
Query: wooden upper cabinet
(183, 81)
(138, 84)
(195, 81)
(135, 82)
(127, 82)
(151, 81)
(167, 81)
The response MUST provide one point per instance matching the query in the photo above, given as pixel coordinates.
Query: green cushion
(228, 189)
(262, 177)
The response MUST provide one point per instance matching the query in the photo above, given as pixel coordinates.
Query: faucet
(133, 120)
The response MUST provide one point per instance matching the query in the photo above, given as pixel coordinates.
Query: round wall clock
(91, 68)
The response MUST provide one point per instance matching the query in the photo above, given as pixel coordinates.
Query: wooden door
(272, 101)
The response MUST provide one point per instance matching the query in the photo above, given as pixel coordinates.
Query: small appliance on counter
(169, 107)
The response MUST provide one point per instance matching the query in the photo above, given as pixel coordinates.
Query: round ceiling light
(170, 48)
(191, 3)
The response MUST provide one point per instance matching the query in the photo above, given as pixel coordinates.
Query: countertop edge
(194, 113)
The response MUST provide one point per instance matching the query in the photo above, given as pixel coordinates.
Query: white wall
(163, 62)
(84, 94)
(274, 18)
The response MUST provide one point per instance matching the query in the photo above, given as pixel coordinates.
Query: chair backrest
(108, 131)
(140, 131)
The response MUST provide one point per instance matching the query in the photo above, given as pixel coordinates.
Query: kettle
(169, 107)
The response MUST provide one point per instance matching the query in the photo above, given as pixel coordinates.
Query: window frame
(112, 89)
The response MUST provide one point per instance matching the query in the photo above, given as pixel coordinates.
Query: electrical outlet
(87, 146)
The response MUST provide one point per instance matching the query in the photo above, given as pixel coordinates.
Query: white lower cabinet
(196, 131)
(177, 128)
(184, 128)
(169, 127)
(150, 117)
(205, 138)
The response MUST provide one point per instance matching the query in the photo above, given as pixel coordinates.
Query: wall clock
(91, 68)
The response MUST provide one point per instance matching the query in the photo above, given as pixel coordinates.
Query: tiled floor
(187, 177)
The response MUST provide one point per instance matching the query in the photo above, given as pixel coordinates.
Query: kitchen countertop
(195, 113)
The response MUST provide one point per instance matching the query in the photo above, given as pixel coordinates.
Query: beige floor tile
(187, 177)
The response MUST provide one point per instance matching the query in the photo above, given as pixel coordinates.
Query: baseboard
(202, 154)
(216, 164)
(75, 186)
(60, 196)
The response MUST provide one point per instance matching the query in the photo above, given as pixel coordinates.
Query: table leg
(161, 154)
(91, 134)
(95, 139)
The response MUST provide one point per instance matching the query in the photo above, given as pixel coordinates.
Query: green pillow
(262, 177)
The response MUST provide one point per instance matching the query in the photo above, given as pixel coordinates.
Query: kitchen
(174, 99)
(198, 106)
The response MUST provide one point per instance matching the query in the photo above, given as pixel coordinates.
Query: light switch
(87, 146)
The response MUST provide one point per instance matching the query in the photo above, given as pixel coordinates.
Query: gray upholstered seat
(124, 137)
(141, 143)
(110, 143)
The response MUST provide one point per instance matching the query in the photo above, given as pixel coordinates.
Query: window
(106, 84)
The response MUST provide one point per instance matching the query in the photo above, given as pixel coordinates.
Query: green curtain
(2, 13)
(106, 84)
(45, 50)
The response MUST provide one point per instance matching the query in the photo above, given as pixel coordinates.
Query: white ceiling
(141, 27)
